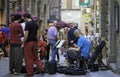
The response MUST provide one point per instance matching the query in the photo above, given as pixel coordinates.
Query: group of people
(76, 43)
(25, 40)
(25, 48)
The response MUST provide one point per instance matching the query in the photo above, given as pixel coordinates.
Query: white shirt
(23, 27)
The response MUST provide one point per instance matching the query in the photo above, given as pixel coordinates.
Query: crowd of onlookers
(75, 41)
(26, 42)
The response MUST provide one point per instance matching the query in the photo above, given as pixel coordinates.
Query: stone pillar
(104, 18)
(114, 38)
(7, 12)
(112, 54)
(118, 43)
(23, 5)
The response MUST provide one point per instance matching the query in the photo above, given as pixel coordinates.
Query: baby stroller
(42, 49)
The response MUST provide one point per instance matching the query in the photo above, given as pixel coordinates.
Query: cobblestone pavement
(4, 67)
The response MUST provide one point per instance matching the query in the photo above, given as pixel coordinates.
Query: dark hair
(3, 25)
(17, 17)
(21, 20)
(46, 30)
(27, 15)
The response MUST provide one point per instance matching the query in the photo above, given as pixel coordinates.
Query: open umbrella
(62, 24)
(35, 18)
(20, 12)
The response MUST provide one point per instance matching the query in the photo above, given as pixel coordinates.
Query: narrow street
(98, 21)
(4, 71)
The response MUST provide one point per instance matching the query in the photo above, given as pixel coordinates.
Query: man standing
(72, 39)
(52, 37)
(30, 45)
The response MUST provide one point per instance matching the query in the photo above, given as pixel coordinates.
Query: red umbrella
(21, 13)
(35, 18)
(62, 24)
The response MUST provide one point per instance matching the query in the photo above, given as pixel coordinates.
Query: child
(42, 45)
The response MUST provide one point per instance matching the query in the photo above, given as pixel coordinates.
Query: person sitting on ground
(82, 48)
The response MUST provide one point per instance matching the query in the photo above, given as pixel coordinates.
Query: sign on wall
(84, 3)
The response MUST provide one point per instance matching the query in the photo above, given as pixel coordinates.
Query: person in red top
(2, 37)
(42, 45)
(16, 52)
(2, 41)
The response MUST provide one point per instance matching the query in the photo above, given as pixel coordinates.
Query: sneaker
(11, 72)
(104, 62)
(28, 75)
(16, 73)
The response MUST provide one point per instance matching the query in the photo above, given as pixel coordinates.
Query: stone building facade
(114, 33)
(43, 9)
(2, 12)
(29, 6)
(110, 27)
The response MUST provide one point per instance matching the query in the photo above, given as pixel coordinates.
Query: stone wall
(114, 38)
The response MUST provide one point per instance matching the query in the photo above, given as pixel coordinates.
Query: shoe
(11, 72)
(28, 75)
(36, 72)
(16, 73)
(104, 62)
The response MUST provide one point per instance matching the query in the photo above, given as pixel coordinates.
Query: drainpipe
(59, 9)
(94, 2)
(38, 10)
(7, 12)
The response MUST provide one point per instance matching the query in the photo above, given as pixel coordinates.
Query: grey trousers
(16, 59)
(72, 55)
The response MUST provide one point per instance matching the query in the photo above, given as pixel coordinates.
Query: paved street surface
(4, 67)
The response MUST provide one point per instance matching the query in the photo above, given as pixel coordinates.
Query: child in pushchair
(42, 49)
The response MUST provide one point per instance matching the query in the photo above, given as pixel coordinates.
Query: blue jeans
(53, 48)
(4, 50)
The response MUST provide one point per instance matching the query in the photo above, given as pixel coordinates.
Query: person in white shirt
(87, 36)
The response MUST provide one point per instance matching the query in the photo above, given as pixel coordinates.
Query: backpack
(52, 67)
(2, 37)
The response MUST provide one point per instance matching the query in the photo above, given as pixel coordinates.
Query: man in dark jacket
(71, 36)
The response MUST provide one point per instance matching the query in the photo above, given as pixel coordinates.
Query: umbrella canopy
(21, 13)
(35, 18)
(62, 24)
